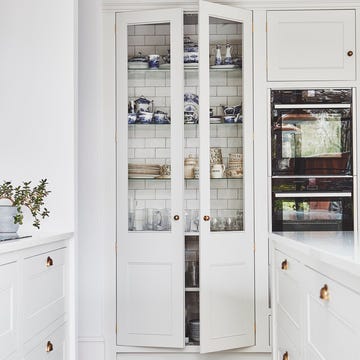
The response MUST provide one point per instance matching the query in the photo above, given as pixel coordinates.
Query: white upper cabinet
(311, 45)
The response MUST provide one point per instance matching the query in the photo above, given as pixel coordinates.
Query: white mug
(217, 171)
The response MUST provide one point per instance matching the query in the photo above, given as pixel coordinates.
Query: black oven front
(312, 204)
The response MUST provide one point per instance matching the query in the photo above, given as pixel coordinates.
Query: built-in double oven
(311, 159)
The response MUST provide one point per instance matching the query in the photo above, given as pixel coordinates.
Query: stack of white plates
(146, 171)
(235, 165)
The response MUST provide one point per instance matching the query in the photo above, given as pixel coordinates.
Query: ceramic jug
(228, 59)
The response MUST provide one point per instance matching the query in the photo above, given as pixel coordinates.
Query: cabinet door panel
(311, 45)
(226, 252)
(44, 291)
(8, 309)
(150, 257)
(53, 347)
(329, 320)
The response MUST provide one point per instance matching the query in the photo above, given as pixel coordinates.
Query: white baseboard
(91, 348)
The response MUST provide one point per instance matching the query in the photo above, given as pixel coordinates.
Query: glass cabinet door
(149, 70)
(226, 226)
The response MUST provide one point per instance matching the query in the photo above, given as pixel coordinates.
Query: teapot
(142, 104)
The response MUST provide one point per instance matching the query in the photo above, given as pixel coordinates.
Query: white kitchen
(183, 177)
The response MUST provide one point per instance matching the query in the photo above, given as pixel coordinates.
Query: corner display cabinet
(185, 234)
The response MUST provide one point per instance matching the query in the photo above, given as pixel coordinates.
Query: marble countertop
(35, 240)
(335, 248)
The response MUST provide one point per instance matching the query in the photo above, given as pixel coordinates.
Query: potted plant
(11, 216)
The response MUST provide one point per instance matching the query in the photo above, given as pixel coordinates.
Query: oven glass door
(312, 139)
(312, 204)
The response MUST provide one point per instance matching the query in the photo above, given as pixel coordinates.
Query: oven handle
(312, 106)
(313, 195)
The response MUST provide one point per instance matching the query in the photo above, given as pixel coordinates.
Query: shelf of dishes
(141, 111)
(218, 170)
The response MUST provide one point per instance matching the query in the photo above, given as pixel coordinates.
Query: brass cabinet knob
(284, 265)
(49, 346)
(206, 217)
(285, 356)
(176, 217)
(49, 261)
(324, 293)
(350, 53)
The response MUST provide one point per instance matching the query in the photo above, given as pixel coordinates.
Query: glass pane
(191, 120)
(226, 130)
(149, 117)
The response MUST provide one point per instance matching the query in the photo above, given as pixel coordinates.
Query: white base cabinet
(34, 299)
(316, 317)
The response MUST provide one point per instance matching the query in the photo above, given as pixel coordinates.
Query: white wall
(37, 104)
(91, 186)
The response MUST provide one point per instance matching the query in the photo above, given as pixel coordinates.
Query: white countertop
(335, 248)
(35, 240)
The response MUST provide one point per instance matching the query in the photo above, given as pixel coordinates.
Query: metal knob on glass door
(206, 217)
(176, 217)
(49, 347)
(285, 356)
(350, 53)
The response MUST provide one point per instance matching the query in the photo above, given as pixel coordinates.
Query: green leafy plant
(24, 195)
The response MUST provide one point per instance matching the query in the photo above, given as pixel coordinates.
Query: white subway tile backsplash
(229, 29)
(162, 91)
(145, 131)
(162, 131)
(163, 153)
(155, 143)
(144, 30)
(227, 91)
(218, 142)
(144, 49)
(155, 78)
(144, 194)
(136, 79)
(136, 143)
(162, 29)
(218, 78)
(131, 30)
(145, 153)
(163, 194)
(219, 204)
(190, 195)
(156, 204)
(234, 204)
(191, 184)
(136, 185)
(192, 142)
(136, 40)
(189, 30)
(148, 91)
(227, 194)
(162, 49)
(151, 184)
(235, 184)
(192, 204)
(155, 40)
(234, 142)
(218, 184)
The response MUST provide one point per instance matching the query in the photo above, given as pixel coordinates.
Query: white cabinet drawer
(8, 309)
(44, 291)
(333, 321)
(288, 298)
(311, 45)
(53, 347)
